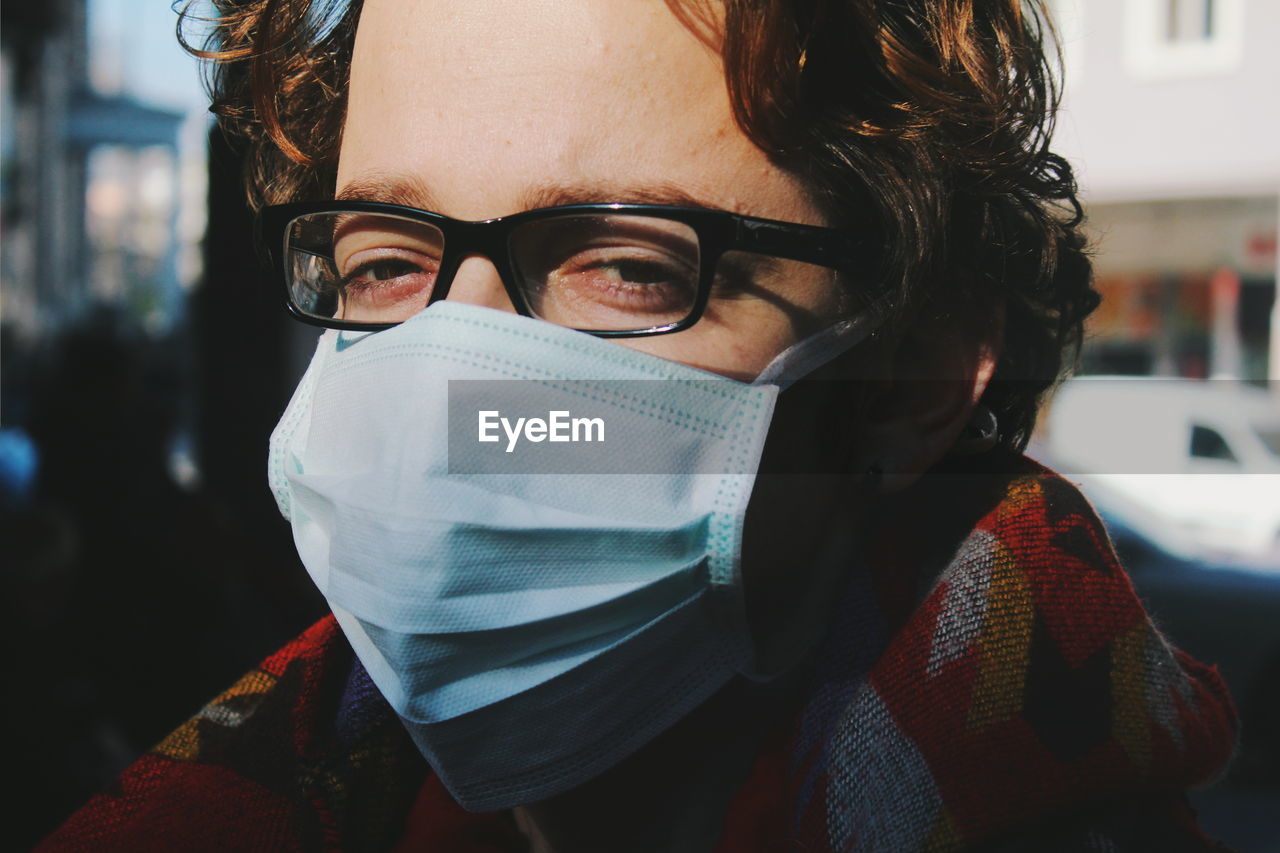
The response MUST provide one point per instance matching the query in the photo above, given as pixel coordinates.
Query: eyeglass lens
(598, 272)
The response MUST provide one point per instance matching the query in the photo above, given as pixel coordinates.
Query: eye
(605, 268)
(625, 277)
(385, 289)
(363, 267)
(370, 248)
(640, 272)
(608, 271)
(380, 271)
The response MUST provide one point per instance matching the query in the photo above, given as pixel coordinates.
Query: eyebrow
(410, 191)
(552, 195)
(404, 190)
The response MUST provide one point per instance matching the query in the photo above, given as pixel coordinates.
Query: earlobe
(981, 434)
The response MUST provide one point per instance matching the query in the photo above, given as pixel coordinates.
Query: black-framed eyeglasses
(612, 270)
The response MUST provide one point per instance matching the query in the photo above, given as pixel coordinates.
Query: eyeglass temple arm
(824, 247)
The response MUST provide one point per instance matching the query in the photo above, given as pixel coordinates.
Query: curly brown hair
(930, 119)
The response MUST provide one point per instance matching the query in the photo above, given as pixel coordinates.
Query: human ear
(929, 388)
(898, 410)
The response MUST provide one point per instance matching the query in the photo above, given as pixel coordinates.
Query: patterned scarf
(990, 682)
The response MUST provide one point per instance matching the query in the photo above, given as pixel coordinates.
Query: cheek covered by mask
(531, 626)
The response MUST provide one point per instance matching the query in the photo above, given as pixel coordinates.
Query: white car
(1192, 465)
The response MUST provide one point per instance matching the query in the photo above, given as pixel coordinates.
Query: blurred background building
(145, 361)
(104, 169)
(1172, 116)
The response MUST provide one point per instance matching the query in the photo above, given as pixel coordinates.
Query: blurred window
(1167, 39)
(1189, 20)
(1208, 443)
(131, 221)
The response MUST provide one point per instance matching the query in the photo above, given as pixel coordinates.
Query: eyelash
(360, 273)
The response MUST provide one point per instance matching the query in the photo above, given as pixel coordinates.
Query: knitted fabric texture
(1008, 694)
(990, 682)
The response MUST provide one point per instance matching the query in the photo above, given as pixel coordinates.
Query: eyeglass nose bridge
(488, 240)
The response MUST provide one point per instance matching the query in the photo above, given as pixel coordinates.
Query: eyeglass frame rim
(819, 245)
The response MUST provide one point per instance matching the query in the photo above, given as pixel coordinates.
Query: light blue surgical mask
(531, 627)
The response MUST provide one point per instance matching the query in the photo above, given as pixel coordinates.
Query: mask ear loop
(784, 370)
(805, 356)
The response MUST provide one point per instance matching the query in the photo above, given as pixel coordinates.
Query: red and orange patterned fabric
(990, 682)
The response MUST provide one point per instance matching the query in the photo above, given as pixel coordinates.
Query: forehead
(487, 104)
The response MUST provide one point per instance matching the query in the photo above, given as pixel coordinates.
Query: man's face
(486, 108)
